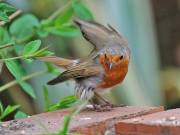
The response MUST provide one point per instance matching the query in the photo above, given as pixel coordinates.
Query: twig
(11, 17)
(57, 12)
(6, 45)
(13, 58)
(18, 57)
(76, 110)
(14, 82)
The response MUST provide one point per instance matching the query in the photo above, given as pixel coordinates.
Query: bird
(105, 67)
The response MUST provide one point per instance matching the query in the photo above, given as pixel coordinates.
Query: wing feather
(77, 71)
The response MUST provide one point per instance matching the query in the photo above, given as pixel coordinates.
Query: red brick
(160, 123)
(87, 122)
(92, 130)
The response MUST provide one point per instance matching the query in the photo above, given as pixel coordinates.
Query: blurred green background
(152, 29)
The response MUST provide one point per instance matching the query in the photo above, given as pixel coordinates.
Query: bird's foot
(102, 107)
(98, 108)
(106, 107)
(113, 105)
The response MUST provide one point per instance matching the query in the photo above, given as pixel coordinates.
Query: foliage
(68, 118)
(60, 24)
(4, 112)
(46, 98)
(64, 130)
(19, 37)
(20, 114)
(27, 31)
(66, 102)
(18, 73)
(81, 10)
(20, 42)
(5, 9)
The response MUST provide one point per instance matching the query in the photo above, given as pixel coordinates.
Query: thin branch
(14, 82)
(6, 45)
(13, 58)
(11, 17)
(71, 115)
(57, 12)
(18, 57)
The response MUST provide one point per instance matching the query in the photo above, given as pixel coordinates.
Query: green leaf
(27, 88)
(61, 19)
(31, 47)
(64, 130)
(4, 17)
(66, 31)
(6, 7)
(1, 108)
(64, 103)
(64, 17)
(46, 98)
(18, 74)
(4, 36)
(42, 32)
(43, 52)
(81, 10)
(23, 28)
(14, 69)
(8, 110)
(29, 60)
(20, 115)
(52, 69)
(46, 23)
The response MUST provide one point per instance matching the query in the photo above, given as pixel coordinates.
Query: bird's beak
(110, 65)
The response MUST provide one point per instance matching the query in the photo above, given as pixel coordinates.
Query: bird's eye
(121, 57)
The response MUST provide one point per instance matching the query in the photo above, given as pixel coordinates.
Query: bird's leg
(107, 103)
(96, 105)
(101, 98)
(100, 104)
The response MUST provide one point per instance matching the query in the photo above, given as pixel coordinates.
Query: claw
(101, 108)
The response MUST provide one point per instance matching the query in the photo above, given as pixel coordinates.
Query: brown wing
(80, 70)
(93, 32)
(98, 34)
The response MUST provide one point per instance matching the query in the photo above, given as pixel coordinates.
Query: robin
(105, 67)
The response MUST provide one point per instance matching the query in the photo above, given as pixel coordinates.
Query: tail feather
(55, 81)
(62, 62)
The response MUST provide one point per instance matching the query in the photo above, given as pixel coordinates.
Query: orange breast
(115, 75)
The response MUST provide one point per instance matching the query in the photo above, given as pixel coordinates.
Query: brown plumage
(105, 67)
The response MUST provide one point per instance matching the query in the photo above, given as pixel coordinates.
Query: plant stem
(11, 17)
(13, 58)
(70, 116)
(18, 57)
(6, 45)
(14, 82)
(80, 107)
(57, 12)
